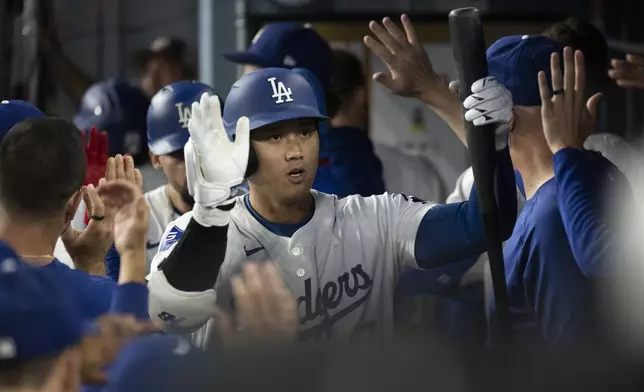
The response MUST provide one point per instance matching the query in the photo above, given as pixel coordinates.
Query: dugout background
(101, 35)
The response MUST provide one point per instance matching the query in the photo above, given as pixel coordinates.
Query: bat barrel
(468, 46)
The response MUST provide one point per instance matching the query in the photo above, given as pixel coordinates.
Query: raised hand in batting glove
(491, 103)
(96, 152)
(215, 165)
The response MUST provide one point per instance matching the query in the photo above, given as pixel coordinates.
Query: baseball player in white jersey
(167, 130)
(340, 258)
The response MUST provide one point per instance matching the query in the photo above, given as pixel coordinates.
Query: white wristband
(210, 216)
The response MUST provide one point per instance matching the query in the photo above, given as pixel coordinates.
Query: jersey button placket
(297, 251)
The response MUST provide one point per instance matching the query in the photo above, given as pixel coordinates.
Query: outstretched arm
(454, 232)
(411, 73)
(581, 176)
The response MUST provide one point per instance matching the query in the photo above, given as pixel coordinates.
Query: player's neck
(277, 211)
(34, 241)
(177, 200)
(346, 120)
(533, 160)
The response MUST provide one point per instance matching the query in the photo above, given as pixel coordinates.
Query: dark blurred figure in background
(163, 63)
(400, 171)
(347, 164)
(120, 109)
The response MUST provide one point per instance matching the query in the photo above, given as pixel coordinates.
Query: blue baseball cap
(14, 112)
(288, 45)
(120, 109)
(160, 362)
(269, 96)
(38, 315)
(516, 60)
(169, 113)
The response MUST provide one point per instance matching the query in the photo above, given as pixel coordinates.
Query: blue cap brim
(291, 114)
(169, 144)
(248, 57)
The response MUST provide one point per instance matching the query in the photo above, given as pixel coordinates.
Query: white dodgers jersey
(161, 214)
(342, 266)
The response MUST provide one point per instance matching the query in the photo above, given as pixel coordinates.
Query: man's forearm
(448, 107)
(132, 267)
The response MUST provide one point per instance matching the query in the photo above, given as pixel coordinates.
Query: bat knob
(466, 12)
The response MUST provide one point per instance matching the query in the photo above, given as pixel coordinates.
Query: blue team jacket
(348, 164)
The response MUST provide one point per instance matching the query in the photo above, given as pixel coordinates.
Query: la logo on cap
(184, 114)
(259, 34)
(280, 91)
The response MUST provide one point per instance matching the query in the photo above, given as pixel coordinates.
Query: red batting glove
(96, 151)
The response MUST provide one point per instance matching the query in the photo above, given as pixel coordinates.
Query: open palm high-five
(567, 122)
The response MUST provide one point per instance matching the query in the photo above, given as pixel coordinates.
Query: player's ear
(154, 160)
(253, 162)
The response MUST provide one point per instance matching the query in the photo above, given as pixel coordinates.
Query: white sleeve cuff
(176, 311)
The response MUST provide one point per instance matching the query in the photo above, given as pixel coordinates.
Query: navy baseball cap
(14, 112)
(160, 362)
(516, 60)
(120, 109)
(169, 113)
(38, 315)
(288, 45)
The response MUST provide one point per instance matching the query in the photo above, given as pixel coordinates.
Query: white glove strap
(210, 216)
(205, 193)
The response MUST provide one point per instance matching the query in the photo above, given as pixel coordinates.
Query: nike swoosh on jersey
(250, 252)
(150, 245)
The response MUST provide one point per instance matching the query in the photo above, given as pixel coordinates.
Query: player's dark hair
(580, 34)
(347, 75)
(26, 374)
(42, 164)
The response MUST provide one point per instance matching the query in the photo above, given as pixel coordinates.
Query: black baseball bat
(468, 46)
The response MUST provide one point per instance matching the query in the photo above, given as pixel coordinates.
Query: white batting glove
(491, 103)
(215, 166)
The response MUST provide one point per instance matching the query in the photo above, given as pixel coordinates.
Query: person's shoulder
(155, 193)
(606, 143)
(158, 201)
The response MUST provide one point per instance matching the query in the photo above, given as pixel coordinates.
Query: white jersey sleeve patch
(176, 311)
(170, 238)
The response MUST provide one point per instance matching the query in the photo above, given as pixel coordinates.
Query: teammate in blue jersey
(551, 297)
